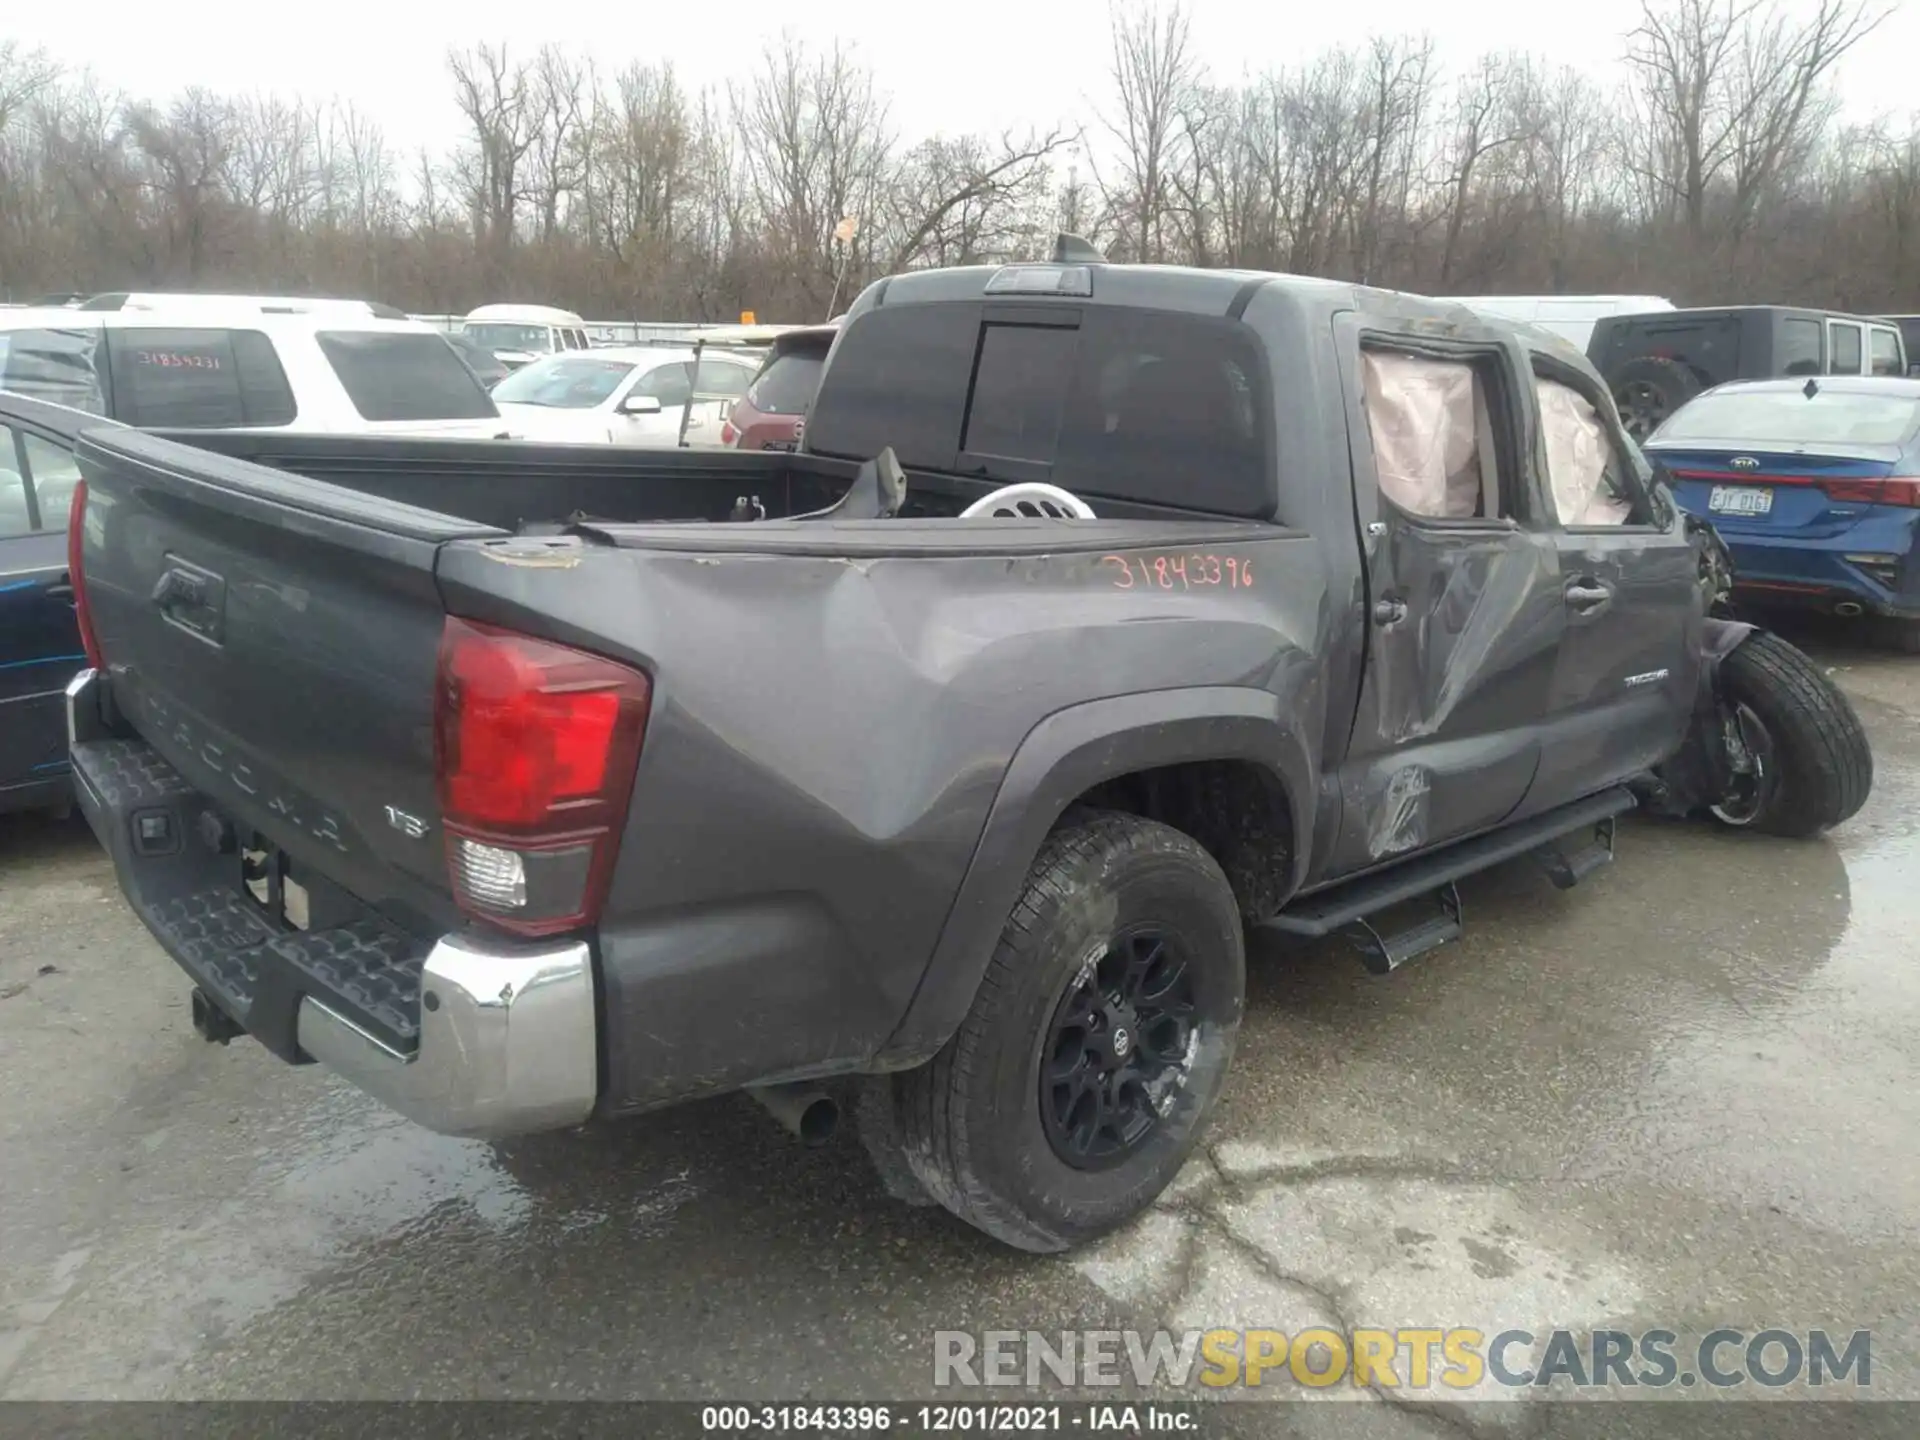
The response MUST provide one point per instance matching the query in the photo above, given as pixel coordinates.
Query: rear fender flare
(1062, 758)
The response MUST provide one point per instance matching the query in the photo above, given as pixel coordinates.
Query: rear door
(39, 637)
(1463, 591)
(1624, 683)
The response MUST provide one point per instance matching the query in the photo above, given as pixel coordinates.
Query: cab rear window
(1156, 407)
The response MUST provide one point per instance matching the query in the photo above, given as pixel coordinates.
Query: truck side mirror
(640, 405)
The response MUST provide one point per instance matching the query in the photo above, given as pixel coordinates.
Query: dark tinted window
(1152, 406)
(1800, 347)
(900, 379)
(1845, 340)
(397, 376)
(197, 379)
(787, 385)
(1020, 391)
(1167, 409)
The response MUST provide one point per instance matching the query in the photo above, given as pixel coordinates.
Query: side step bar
(1348, 905)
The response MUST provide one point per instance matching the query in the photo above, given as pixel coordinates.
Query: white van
(1571, 317)
(238, 365)
(519, 333)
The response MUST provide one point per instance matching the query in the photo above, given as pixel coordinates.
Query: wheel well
(1236, 809)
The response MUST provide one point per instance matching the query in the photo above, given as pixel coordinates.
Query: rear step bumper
(465, 1036)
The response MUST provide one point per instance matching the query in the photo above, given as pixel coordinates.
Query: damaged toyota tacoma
(940, 766)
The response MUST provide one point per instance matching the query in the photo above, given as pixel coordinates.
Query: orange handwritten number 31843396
(1184, 570)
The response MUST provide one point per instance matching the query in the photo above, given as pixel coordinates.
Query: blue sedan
(1815, 485)
(40, 647)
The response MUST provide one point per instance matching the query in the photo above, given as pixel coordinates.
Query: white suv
(244, 366)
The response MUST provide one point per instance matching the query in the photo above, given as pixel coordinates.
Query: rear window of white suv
(393, 375)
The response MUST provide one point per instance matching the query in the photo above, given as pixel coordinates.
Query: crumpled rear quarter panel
(828, 735)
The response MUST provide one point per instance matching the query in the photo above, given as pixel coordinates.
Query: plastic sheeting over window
(1581, 465)
(55, 365)
(1424, 416)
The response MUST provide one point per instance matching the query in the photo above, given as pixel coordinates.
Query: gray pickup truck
(939, 765)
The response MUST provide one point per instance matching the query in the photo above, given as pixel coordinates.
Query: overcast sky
(980, 65)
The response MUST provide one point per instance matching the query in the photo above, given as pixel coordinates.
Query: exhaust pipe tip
(807, 1113)
(1848, 609)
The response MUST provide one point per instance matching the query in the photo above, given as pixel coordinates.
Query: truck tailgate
(275, 640)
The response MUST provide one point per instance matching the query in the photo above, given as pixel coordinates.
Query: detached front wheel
(1802, 762)
(1082, 1076)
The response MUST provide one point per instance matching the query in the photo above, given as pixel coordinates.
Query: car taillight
(728, 434)
(535, 747)
(1894, 490)
(76, 576)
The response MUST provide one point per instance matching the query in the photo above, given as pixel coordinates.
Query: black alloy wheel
(1119, 1046)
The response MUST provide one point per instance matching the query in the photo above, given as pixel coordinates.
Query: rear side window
(787, 385)
(1800, 347)
(1846, 348)
(1883, 350)
(398, 376)
(55, 365)
(1140, 405)
(197, 379)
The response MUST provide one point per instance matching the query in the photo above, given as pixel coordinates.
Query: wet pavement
(1682, 1095)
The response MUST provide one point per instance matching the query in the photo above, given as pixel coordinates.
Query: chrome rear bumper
(507, 1042)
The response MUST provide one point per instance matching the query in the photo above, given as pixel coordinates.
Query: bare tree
(1726, 94)
(495, 95)
(1153, 74)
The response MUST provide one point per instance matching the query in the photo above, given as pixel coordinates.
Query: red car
(769, 415)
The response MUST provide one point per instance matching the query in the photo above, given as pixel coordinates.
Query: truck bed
(835, 706)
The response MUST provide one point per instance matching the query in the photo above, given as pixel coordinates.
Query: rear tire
(1649, 388)
(988, 1126)
(1821, 764)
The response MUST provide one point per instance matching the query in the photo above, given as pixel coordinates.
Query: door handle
(1587, 596)
(1389, 612)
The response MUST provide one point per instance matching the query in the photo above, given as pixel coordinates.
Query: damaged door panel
(1463, 604)
(1628, 670)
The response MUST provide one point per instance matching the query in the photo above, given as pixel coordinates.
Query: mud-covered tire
(878, 1126)
(1823, 766)
(970, 1120)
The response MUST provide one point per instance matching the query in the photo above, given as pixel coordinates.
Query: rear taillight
(535, 750)
(728, 434)
(76, 576)
(1894, 490)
